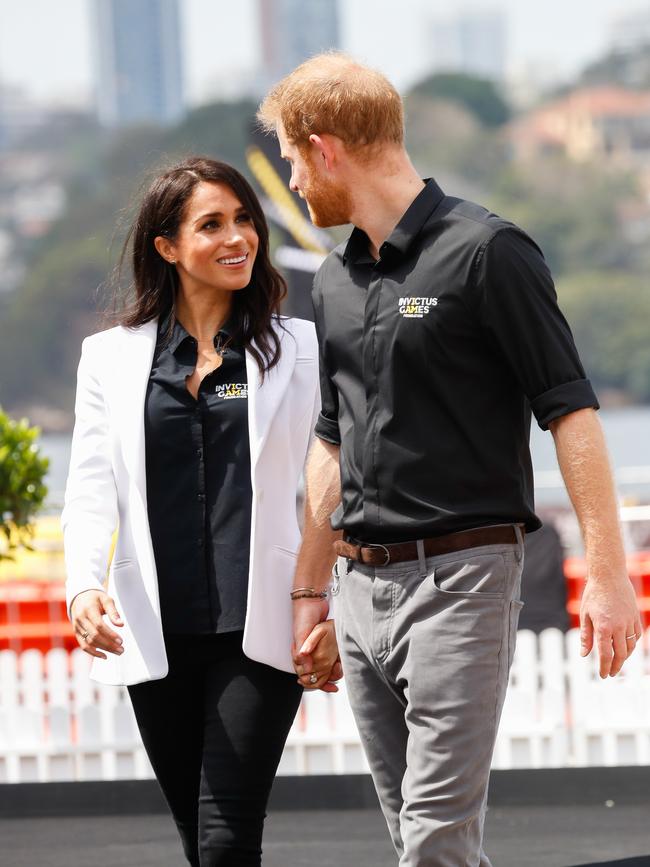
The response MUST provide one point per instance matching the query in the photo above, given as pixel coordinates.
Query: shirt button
(200, 497)
(199, 453)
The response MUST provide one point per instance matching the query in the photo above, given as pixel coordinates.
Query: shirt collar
(404, 233)
(179, 334)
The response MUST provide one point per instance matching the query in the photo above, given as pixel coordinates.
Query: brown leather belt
(382, 555)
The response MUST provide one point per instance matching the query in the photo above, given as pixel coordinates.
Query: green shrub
(22, 492)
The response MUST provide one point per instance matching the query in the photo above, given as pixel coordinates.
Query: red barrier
(33, 615)
(638, 567)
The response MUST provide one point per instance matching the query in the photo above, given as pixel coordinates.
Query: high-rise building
(631, 30)
(292, 31)
(473, 42)
(19, 115)
(138, 61)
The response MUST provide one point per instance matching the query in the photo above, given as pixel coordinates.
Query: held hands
(321, 649)
(93, 634)
(609, 616)
(314, 649)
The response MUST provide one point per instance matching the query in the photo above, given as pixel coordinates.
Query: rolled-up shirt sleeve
(327, 424)
(518, 309)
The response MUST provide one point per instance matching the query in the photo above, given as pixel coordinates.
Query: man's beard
(329, 203)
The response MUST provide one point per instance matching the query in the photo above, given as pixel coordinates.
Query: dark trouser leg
(169, 713)
(249, 709)
(214, 730)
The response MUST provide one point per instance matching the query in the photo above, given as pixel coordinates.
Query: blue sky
(45, 46)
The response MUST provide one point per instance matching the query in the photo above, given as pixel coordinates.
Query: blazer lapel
(264, 397)
(134, 369)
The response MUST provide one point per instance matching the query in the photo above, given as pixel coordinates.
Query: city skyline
(472, 42)
(223, 50)
(284, 46)
(138, 62)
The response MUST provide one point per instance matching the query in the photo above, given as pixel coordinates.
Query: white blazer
(106, 487)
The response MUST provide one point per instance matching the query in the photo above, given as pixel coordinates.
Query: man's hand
(610, 616)
(307, 613)
(321, 647)
(93, 634)
(316, 556)
(608, 612)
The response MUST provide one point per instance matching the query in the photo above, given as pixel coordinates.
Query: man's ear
(327, 149)
(165, 248)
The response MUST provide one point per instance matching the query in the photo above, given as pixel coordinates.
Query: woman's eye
(211, 224)
(244, 218)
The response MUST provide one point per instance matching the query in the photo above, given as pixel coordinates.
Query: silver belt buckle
(384, 549)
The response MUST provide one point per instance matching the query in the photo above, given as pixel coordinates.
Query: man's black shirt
(199, 485)
(431, 359)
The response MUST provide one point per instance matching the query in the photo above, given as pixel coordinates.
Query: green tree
(570, 209)
(480, 96)
(444, 137)
(623, 67)
(22, 492)
(609, 315)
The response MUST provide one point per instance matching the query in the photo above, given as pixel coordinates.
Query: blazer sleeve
(313, 344)
(90, 513)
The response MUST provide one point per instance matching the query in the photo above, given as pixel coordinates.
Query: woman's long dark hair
(156, 282)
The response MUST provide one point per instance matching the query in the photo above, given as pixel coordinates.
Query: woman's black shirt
(199, 484)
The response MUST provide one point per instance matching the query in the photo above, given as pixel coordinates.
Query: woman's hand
(93, 634)
(320, 645)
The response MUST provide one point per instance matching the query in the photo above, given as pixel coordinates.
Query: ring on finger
(630, 637)
(313, 678)
(85, 635)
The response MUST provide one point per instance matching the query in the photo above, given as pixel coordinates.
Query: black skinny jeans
(214, 730)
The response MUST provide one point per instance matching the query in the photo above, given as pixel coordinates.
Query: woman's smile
(234, 261)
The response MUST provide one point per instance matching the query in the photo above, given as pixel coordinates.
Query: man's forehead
(286, 147)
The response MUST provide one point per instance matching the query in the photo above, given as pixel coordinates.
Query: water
(627, 432)
(57, 449)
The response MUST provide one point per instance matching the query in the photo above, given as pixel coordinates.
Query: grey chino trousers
(426, 648)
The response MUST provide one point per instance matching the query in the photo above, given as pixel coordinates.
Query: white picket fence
(57, 724)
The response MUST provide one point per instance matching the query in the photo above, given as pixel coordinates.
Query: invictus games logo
(416, 308)
(232, 390)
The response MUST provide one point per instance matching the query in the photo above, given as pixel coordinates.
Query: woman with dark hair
(193, 419)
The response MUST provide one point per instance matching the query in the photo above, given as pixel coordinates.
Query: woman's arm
(90, 513)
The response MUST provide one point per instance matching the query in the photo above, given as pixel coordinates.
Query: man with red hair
(439, 332)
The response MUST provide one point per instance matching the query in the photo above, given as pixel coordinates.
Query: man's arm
(316, 555)
(609, 610)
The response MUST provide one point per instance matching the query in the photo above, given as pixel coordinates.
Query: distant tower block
(138, 63)
(473, 42)
(292, 31)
